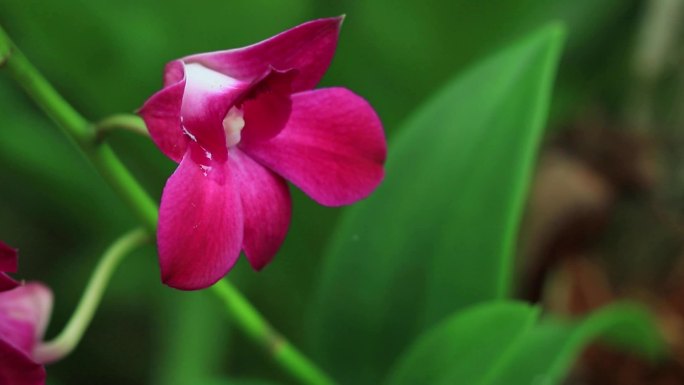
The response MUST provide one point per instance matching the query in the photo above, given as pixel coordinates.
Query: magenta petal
(200, 225)
(24, 314)
(162, 113)
(17, 368)
(267, 106)
(267, 207)
(7, 283)
(8, 263)
(174, 72)
(333, 147)
(308, 47)
(8, 258)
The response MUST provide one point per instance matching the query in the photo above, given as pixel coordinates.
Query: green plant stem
(82, 133)
(69, 338)
(117, 175)
(261, 332)
(126, 122)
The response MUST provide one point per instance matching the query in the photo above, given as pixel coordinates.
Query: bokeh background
(604, 220)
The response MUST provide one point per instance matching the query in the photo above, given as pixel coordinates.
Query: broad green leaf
(438, 234)
(463, 348)
(503, 344)
(546, 353)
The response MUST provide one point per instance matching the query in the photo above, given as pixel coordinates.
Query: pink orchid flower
(240, 122)
(24, 314)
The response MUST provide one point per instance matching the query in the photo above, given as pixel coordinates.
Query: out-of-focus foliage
(107, 57)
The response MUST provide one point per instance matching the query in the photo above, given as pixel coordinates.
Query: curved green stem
(81, 132)
(126, 122)
(117, 175)
(261, 332)
(69, 338)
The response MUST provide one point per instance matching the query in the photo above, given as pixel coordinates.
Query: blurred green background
(107, 57)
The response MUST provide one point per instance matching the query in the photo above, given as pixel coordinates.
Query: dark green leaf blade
(438, 234)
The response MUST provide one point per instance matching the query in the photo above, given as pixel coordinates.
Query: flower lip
(207, 97)
(218, 109)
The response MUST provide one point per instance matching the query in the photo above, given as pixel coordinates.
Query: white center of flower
(233, 124)
(203, 84)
